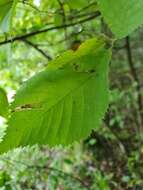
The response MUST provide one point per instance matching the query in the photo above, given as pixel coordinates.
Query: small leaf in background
(122, 16)
(77, 4)
(3, 104)
(63, 103)
(4, 179)
(6, 12)
(58, 19)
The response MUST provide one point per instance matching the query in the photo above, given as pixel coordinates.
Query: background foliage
(111, 157)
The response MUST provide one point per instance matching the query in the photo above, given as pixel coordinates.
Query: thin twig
(86, 7)
(35, 46)
(35, 8)
(64, 16)
(135, 76)
(30, 34)
(136, 79)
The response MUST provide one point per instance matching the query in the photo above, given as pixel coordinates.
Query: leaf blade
(123, 16)
(6, 13)
(54, 104)
(4, 105)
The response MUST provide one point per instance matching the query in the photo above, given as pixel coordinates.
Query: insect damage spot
(76, 67)
(91, 71)
(27, 107)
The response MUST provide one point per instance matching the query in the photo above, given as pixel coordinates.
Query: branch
(35, 8)
(135, 77)
(35, 46)
(21, 37)
(88, 6)
(61, 4)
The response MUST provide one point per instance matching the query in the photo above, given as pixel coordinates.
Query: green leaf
(63, 103)
(77, 4)
(122, 16)
(58, 19)
(4, 106)
(7, 9)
